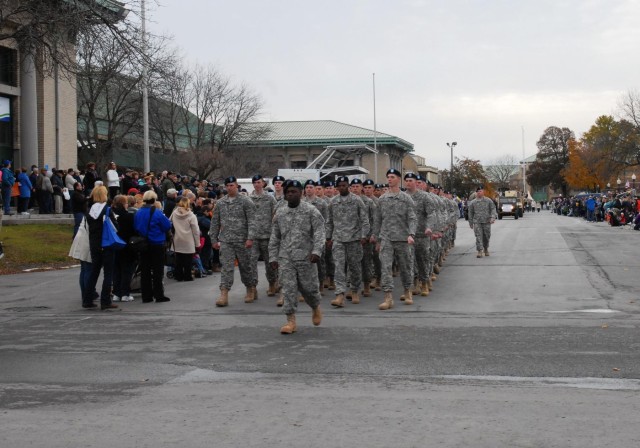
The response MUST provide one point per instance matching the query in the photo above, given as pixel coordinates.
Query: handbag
(139, 243)
(110, 238)
(80, 247)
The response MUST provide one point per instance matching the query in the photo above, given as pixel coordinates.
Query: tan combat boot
(316, 316)
(366, 291)
(321, 288)
(436, 268)
(223, 300)
(376, 285)
(332, 285)
(408, 297)
(250, 297)
(280, 301)
(479, 254)
(326, 282)
(272, 289)
(290, 326)
(416, 287)
(486, 252)
(355, 298)
(424, 289)
(434, 277)
(388, 302)
(300, 299)
(338, 302)
(430, 284)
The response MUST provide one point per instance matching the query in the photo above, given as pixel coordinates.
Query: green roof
(322, 132)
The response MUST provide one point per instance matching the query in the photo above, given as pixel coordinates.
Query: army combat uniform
(425, 209)
(481, 212)
(233, 223)
(265, 208)
(323, 208)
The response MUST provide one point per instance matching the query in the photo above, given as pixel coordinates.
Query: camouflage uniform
(265, 208)
(296, 234)
(323, 208)
(442, 223)
(369, 248)
(232, 224)
(348, 223)
(330, 266)
(481, 212)
(377, 266)
(425, 216)
(395, 221)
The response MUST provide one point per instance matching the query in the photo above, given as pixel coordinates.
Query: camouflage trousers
(329, 264)
(454, 231)
(229, 252)
(483, 235)
(401, 249)
(377, 266)
(347, 256)
(261, 248)
(420, 253)
(367, 263)
(322, 266)
(434, 254)
(299, 276)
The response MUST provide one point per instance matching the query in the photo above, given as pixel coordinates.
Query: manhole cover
(20, 309)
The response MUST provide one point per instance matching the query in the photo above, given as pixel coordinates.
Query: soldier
(265, 208)
(232, 232)
(369, 191)
(395, 229)
(297, 238)
(348, 228)
(482, 213)
(368, 248)
(277, 186)
(328, 255)
(310, 197)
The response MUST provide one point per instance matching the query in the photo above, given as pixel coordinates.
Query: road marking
(578, 383)
(596, 311)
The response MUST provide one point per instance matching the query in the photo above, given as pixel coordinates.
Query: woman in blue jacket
(150, 222)
(25, 191)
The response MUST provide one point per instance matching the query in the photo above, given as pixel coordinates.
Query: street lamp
(451, 146)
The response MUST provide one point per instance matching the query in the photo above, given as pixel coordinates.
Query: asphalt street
(535, 346)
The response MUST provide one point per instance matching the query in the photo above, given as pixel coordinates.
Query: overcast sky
(475, 72)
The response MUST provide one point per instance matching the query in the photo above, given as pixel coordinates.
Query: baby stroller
(614, 217)
(197, 269)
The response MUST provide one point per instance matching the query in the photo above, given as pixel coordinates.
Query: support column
(28, 112)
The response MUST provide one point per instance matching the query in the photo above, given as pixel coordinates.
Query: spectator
(186, 239)
(58, 185)
(8, 179)
(25, 192)
(70, 180)
(113, 180)
(170, 201)
(90, 178)
(125, 259)
(78, 206)
(45, 193)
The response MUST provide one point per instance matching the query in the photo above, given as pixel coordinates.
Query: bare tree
(629, 105)
(500, 171)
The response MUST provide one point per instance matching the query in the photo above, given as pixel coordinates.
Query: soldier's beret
(328, 184)
(230, 180)
(394, 171)
(356, 182)
(292, 183)
(310, 182)
(278, 178)
(342, 179)
(480, 187)
(368, 182)
(255, 178)
(410, 176)
(379, 186)
(419, 177)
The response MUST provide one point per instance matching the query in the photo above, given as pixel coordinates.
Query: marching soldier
(395, 229)
(310, 197)
(277, 187)
(328, 254)
(482, 213)
(369, 191)
(232, 232)
(347, 231)
(297, 239)
(265, 208)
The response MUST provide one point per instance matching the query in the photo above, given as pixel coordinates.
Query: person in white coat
(186, 238)
(113, 180)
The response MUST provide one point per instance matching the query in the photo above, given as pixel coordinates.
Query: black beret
(230, 180)
(310, 182)
(278, 178)
(329, 183)
(255, 178)
(368, 182)
(379, 186)
(356, 182)
(410, 176)
(394, 171)
(292, 183)
(342, 179)
(480, 187)
(419, 177)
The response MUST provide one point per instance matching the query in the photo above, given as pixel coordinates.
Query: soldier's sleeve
(329, 226)
(412, 218)
(432, 216)
(377, 221)
(471, 211)
(215, 224)
(252, 221)
(317, 224)
(363, 215)
(274, 240)
(494, 212)
(324, 211)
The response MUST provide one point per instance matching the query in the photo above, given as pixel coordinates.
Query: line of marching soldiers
(368, 234)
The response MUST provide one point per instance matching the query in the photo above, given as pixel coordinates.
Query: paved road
(535, 346)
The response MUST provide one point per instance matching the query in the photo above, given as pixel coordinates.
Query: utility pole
(375, 133)
(145, 92)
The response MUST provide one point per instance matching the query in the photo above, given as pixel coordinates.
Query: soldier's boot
(280, 301)
(479, 254)
(316, 316)
(416, 287)
(321, 288)
(408, 297)
(255, 292)
(327, 282)
(430, 284)
(355, 298)
(290, 326)
(272, 289)
(486, 252)
(300, 299)
(332, 285)
(395, 272)
(436, 269)
(223, 300)
(348, 296)
(338, 302)
(434, 277)
(366, 291)
(377, 286)
(424, 289)
(251, 295)
(387, 304)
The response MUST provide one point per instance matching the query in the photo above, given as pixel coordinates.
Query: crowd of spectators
(616, 209)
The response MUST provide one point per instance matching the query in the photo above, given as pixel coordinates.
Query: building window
(8, 66)
(298, 164)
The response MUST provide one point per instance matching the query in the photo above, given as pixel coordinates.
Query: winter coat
(113, 179)
(186, 233)
(160, 224)
(25, 185)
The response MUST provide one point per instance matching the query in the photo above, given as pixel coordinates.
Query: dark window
(298, 165)
(8, 66)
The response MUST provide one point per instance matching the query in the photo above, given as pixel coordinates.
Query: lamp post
(451, 146)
